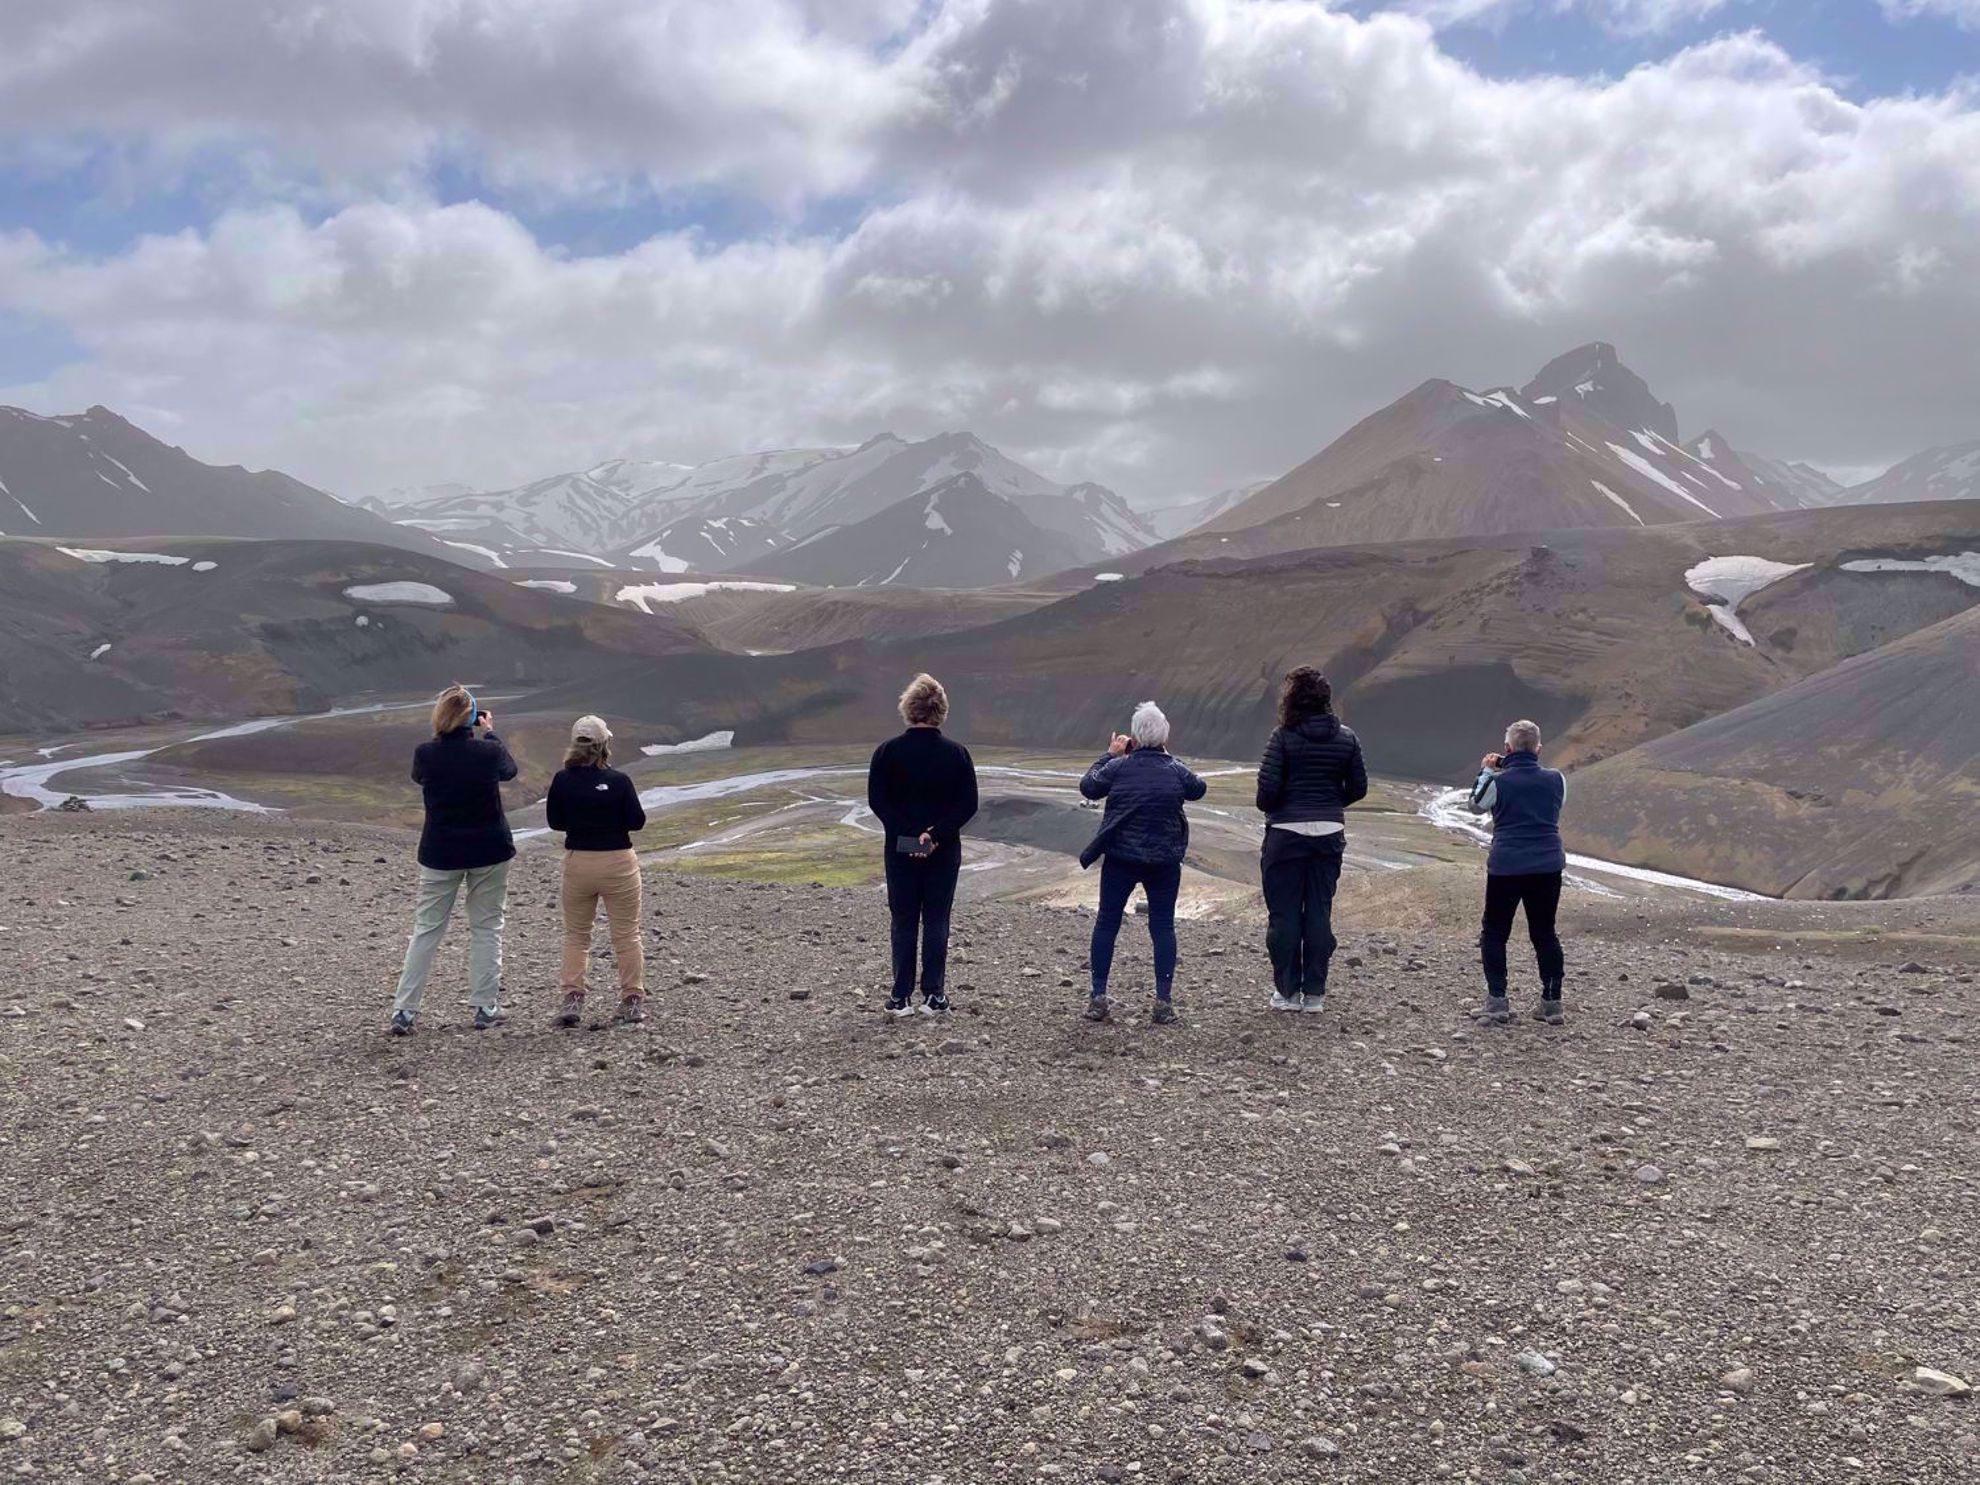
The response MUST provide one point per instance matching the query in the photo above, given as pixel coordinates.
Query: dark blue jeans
(1118, 879)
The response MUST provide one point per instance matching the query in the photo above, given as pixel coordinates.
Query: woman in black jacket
(1312, 771)
(921, 787)
(465, 843)
(598, 810)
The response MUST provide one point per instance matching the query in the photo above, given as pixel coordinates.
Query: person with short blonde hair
(921, 787)
(924, 703)
(464, 844)
(1524, 869)
(598, 809)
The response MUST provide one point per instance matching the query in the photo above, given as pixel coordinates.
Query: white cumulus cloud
(1170, 246)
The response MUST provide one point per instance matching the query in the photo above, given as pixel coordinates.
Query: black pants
(1301, 873)
(1540, 894)
(921, 892)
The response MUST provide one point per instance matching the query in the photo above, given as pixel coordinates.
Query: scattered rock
(1940, 1384)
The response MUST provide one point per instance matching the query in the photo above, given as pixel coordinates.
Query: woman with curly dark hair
(1312, 771)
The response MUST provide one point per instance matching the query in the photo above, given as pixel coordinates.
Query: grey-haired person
(1143, 837)
(1524, 869)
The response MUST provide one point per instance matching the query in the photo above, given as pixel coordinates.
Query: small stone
(1671, 990)
(1763, 1143)
(1319, 1448)
(432, 1433)
(133, 1023)
(1649, 1175)
(12, 1429)
(318, 1407)
(1099, 1159)
(1740, 1380)
(1213, 1336)
(1254, 1368)
(1259, 1443)
(953, 1047)
(1940, 1384)
(261, 1438)
(289, 1420)
(1535, 1365)
(818, 1267)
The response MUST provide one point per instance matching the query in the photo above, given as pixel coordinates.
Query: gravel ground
(1711, 1229)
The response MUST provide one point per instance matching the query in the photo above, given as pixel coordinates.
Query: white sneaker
(1313, 1003)
(1284, 1002)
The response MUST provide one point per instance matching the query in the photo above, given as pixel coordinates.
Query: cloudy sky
(1166, 244)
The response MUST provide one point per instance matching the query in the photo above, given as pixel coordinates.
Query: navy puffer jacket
(1145, 791)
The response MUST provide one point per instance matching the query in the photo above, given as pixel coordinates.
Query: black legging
(1301, 873)
(1540, 894)
(921, 893)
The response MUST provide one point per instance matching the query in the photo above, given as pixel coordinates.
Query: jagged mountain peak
(1596, 375)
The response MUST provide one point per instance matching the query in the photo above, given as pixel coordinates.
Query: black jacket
(596, 808)
(923, 781)
(1144, 823)
(1311, 772)
(460, 775)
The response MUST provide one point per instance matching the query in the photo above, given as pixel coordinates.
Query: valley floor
(1711, 1229)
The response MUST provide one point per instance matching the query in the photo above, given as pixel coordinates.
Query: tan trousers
(614, 877)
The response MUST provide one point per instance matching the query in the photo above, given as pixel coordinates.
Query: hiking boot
(632, 1010)
(571, 1012)
(402, 1023)
(1165, 1013)
(1497, 1011)
(900, 1005)
(1099, 1008)
(1549, 1011)
(935, 1005)
(1286, 1002)
(1313, 1003)
(488, 1017)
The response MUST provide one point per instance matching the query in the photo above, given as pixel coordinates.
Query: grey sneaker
(402, 1023)
(1286, 1002)
(1313, 1003)
(1165, 1013)
(1549, 1012)
(488, 1017)
(1099, 1008)
(571, 1012)
(1497, 1011)
(632, 1010)
(900, 1008)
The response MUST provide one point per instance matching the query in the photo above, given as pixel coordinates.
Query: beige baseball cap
(590, 729)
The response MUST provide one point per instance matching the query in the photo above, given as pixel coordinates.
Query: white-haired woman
(598, 810)
(921, 786)
(1144, 837)
(1524, 869)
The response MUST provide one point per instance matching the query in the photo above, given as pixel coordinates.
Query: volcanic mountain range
(1673, 612)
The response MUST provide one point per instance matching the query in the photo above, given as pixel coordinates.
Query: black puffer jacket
(1311, 772)
(1145, 791)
